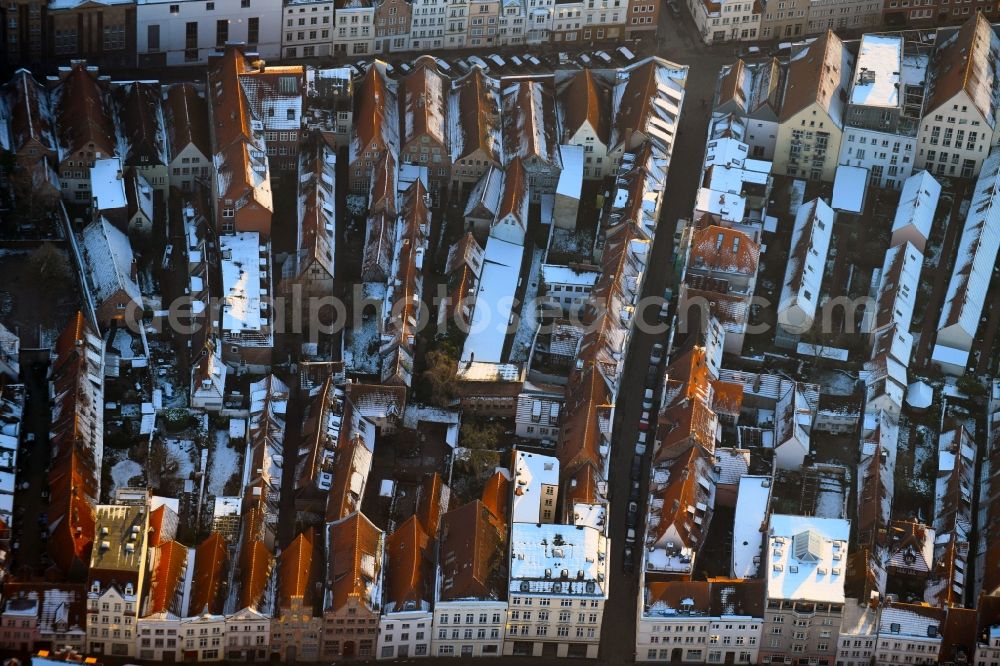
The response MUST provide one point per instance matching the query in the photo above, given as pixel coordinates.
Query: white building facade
(187, 32)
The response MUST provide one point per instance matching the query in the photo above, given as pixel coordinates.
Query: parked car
(630, 535)
(651, 378)
(647, 399)
(496, 60)
(443, 65)
(633, 492)
(656, 354)
(479, 62)
(674, 8)
(535, 62)
(628, 560)
(516, 62)
(644, 417)
(640, 444)
(636, 466)
(462, 65)
(633, 511)
(603, 57)
(584, 60)
(405, 66)
(625, 54)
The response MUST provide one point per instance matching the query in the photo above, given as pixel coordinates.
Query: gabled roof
(430, 502)
(754, 89)
(83, 116)
(297, 569)
(30, 112)
(354, 562)
(256, 561)
(529, 111)
(977, 253)
(474, 116)
(186, 116)
(77, 430)
(141, 136)
(585, 99)
(514, 200)
(966, 61)
(208, 591)
(375, 117)
(472, 554)
(423, 104)
(409, 566)
(687, 490)
(496, 495)
(648, 101)
(317, 205)
(821, 75)
(169, 562)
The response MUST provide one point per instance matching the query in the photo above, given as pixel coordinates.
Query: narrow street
(680, 45)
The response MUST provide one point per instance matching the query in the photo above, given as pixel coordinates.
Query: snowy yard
(525, 334)
(224, 462)
(125, 473)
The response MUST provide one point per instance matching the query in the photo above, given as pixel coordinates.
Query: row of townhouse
(753, 20)
(152, 33)
(884, 103)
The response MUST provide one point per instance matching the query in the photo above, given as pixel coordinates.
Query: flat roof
(807, 558)
(531, 472)
(752, 503)
(107, 184)
(571, 177)
(558, 560)
(877, 72)
(243, 257)
(849, 187)
(494, 301)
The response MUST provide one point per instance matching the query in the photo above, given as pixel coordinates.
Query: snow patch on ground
(123, 472)
(528, 325)
(224, 464)
(183, 453)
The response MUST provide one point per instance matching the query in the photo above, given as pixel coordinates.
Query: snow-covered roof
(877, 71)
(977, 253)
(913, 622)
(558, 560)
(920, 395)
(807, 258)
(556, 274)
(108, 256)
(917, 203)
(494, 301)
(107, 184)
(243, 260)
(807, 558)
(571, 178)
(897, 288)
(849, 186)
(726, 206)
(531, 472)
(753, 500)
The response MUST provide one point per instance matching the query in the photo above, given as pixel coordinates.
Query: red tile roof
(297, 569)
(496, 495)
(429, 504)
(724, 249)
(353, 561)
(473, 554)
(256, 561)
(186, 115)
(410, 567)
(169, 562)
(208, 591)
(83, 114)
(586, 99)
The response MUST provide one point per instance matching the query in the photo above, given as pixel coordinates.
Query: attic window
(291, 114)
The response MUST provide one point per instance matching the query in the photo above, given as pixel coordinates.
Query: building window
(221, 32)
(253, 26)
(152, 38)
